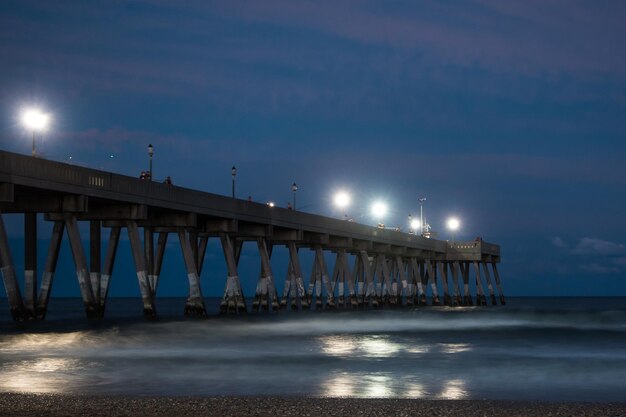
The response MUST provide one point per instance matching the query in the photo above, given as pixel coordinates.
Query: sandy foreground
(75, 405)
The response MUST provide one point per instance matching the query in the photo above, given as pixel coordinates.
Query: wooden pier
(389, 268)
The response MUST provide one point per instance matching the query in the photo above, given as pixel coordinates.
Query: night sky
(510, 115)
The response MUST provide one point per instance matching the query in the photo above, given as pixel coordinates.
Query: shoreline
(17, 404)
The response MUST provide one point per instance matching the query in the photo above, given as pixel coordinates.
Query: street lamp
(342, 201)
(294, 188)
(35, 121)
(150, 154)
(379, 209)
(414, 224)
(453, 225)
(233, 173)
(421, 200)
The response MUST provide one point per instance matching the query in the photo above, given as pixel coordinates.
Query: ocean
(555, 349)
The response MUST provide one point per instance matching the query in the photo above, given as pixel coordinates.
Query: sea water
(532, 349)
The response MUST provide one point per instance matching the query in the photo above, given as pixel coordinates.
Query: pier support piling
(48, 274)
(195, 302)
(92, 308)
(443, 272)
(454, 268)
(467, 296)
(233, 300)
(480, 291)
(498, 283)
(433, 282)
(489, 285)
(30, 264)
(9, 278)
(141, 268)
(109, 262)
(297, 269)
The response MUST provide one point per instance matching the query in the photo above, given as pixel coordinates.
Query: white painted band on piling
(194, 285)
(104, 284)
(46, 279)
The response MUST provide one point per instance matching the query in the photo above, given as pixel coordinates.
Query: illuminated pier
(389, 268)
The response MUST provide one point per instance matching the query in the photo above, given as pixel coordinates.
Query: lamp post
(453, 225)
(379, 210)
(35, 121)
(294, 188)
(421, 200)
(414, 224)
(342, 201)
(150, 154)
(233, 173)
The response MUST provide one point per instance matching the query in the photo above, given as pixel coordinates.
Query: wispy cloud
(592, 255)
(593, 246)
(558, 242)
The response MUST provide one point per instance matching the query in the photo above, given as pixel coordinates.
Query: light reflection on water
(41, 375)
(382, 354)
(384, 385)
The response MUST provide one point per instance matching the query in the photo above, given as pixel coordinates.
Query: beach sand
(75, 405)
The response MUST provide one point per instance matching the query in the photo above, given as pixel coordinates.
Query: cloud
(558, 242)
(595, 268)
(592, 246)
(500, 35)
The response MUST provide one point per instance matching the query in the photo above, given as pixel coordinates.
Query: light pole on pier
(379, 210)
(421, 200)
(233, 173)
(342, 201)
(35, 121)
(453, 225)
(414, 224)
(294, 188)
(150, 154)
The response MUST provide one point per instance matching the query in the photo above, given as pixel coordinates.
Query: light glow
(379, 209)
(342, 199)
(415, 224)
(453, 223)
(35, 120)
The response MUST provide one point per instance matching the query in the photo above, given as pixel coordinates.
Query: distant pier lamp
(342, 200)
(35, 121)
(150, 155)
(233, 173)
(294, 188)
(421, 201)
(414, 224)
(379, 210)
(453, 225)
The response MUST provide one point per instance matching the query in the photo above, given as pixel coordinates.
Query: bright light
(453, 223)
(379, 209)
(415, 224)
(35, 120)
(342, 199)
(270, 203)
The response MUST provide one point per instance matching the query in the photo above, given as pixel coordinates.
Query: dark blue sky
(510, 115)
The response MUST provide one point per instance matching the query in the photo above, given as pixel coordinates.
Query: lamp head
(453, 224)
(35, 120)
(379, 209)
(342, 199)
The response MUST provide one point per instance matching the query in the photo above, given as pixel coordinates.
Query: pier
(373, 267)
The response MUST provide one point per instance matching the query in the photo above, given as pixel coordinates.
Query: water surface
(536, 349)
